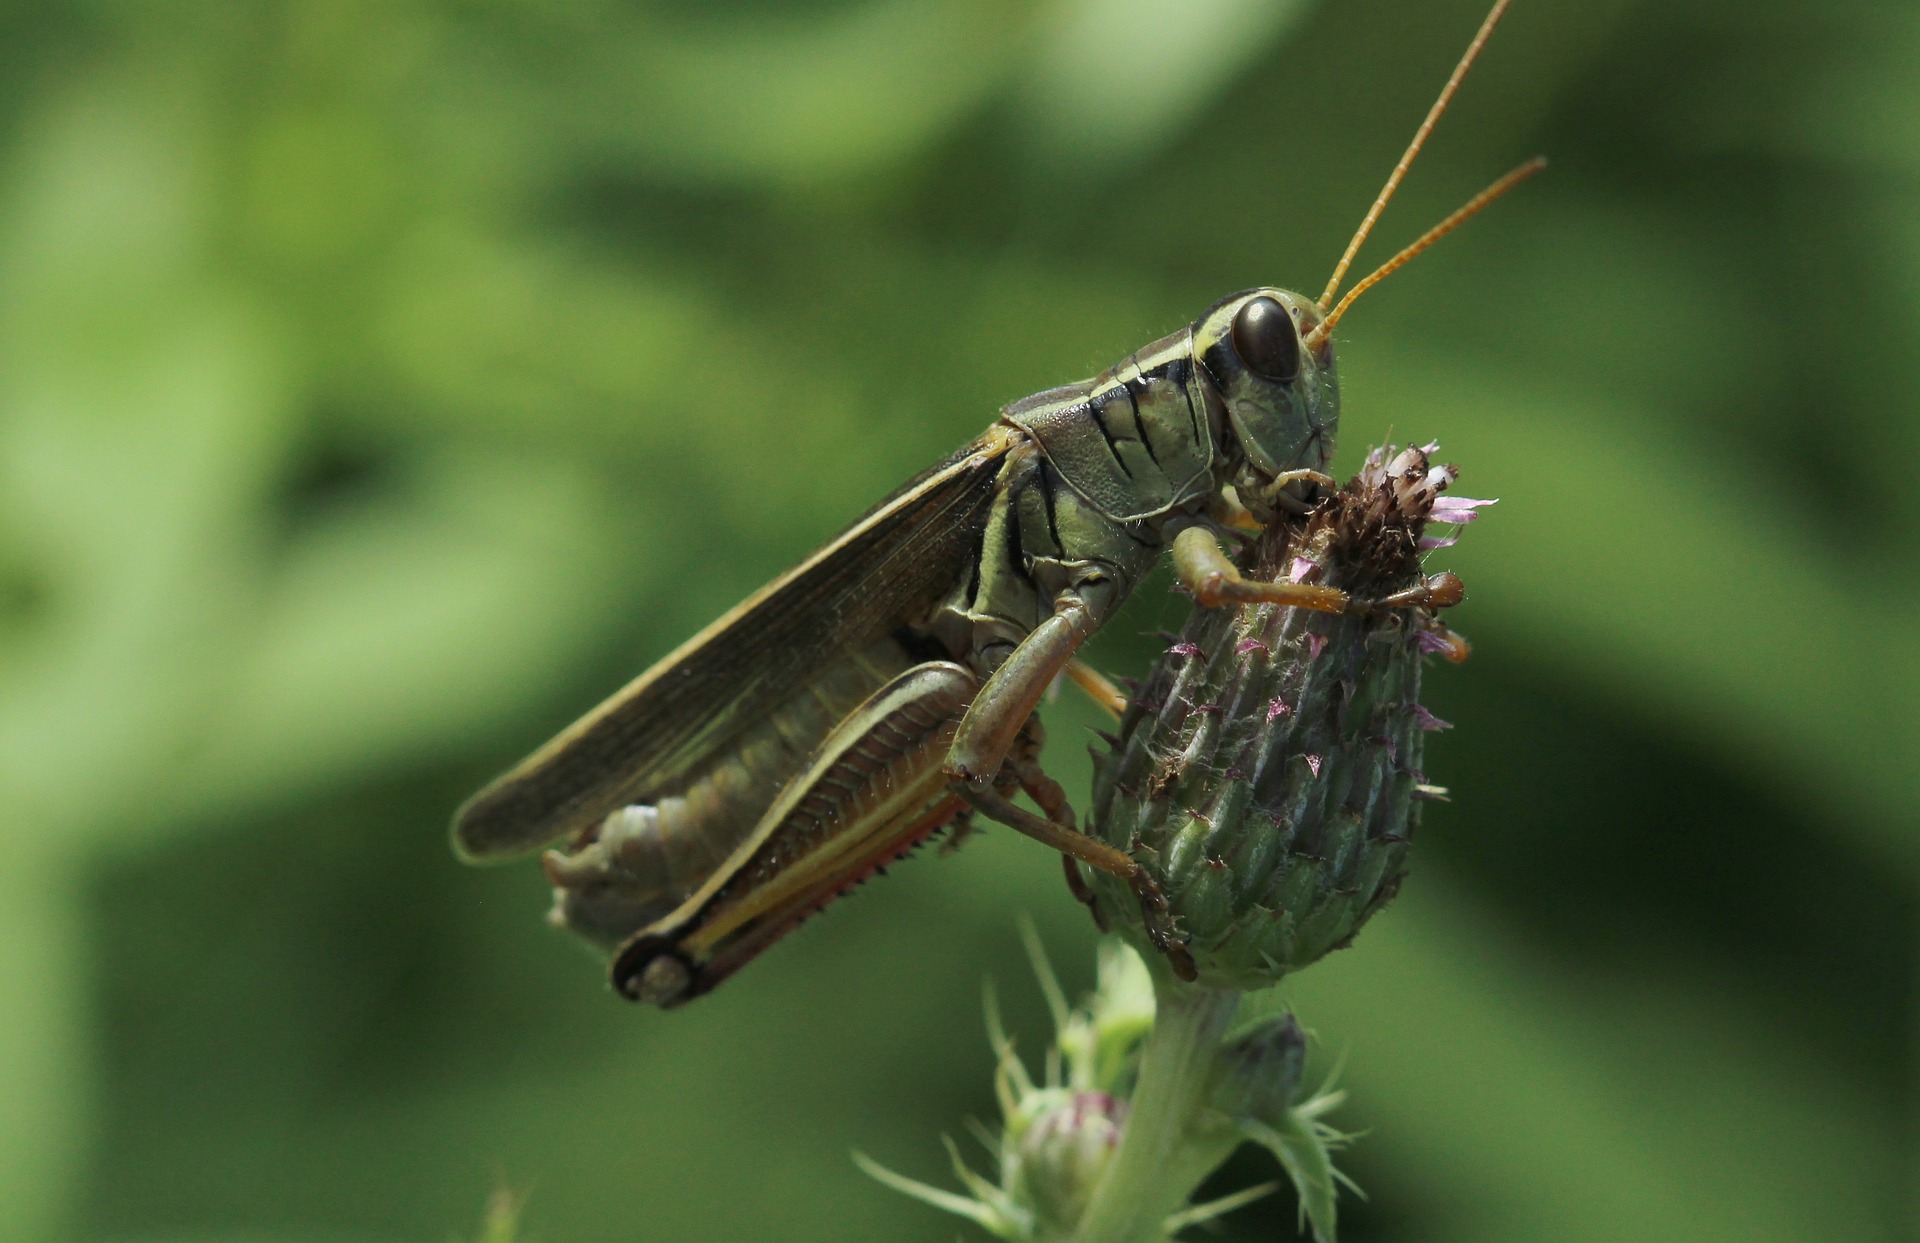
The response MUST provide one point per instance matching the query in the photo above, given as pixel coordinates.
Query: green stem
(1154, 1171)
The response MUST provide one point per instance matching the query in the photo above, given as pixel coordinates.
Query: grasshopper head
(1281, 397)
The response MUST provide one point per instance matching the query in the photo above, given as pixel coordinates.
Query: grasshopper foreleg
(1436, 591)
(1276, 496)
(1214, 580)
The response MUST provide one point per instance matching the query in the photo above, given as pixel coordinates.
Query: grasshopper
(885, 689)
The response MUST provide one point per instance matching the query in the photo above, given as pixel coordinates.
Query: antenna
(1473, 207)
(1413, 149)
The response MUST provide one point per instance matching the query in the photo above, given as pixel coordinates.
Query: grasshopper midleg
(1014, 691)
(1098, 687)
(887, 685)
(1022, 769)
(1048, 795)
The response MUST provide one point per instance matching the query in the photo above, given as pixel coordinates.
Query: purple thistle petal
(1302, 566)
(1430, 448)
(1277, 708)
(1427, 720)
(1316, 644)
(1431, 641)
(1458, 509)
(1313, 762)
(1249, 645)
(1430, 542)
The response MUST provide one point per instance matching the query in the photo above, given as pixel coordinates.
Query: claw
(1440, 591)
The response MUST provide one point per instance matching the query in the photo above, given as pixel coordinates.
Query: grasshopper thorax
(1280, 395)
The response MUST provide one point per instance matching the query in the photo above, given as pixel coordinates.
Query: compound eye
(1267, 341)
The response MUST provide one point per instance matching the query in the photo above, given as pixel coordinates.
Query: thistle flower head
(1269, 772)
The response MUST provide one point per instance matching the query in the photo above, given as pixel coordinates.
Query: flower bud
(1257, 1085)
(1268, 774)
(1061, 1155)
(1260, 1067)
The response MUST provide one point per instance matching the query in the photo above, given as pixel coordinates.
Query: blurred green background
(383, 383)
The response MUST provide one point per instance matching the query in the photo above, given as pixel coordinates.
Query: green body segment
(686, 796)
(1137, 441)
